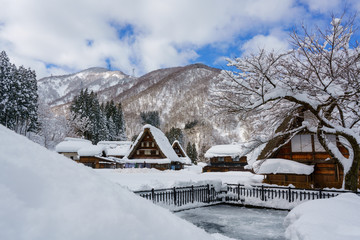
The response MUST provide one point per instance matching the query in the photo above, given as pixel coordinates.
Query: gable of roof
(177, 145)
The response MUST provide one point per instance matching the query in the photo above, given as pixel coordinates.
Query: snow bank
(72, 145)
(330, 219)
(278, 165)
(44, 195)
(232, 150)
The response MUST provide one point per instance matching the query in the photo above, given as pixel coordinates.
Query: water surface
(238, 222)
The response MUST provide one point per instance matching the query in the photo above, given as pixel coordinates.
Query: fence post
(192, 193)
(289, 194)
(153, 194)
(320, 193)
(174, 196)
(208, 193)
(262, 193)
(238, 190)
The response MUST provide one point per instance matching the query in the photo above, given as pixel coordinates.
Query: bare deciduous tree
(320, 75)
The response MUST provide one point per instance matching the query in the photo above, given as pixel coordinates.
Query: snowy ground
(44, 195)
(145, 179)
(330, 219)
(238, 222)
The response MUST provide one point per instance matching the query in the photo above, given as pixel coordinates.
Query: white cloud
(323, 6)
(276, 41)
(165, 33)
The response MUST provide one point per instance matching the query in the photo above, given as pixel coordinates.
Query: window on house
(153, 144)
(318, 147)
(157, 152)
(137, 152)
(147, 144)
(236, 159)
(301, 143)
(142, 144)
(147, 152)
(220, 159)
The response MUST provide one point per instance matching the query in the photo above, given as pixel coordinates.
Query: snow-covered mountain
(180, 94)
(58, 90)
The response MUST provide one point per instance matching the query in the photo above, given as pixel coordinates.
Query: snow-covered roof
(118, 150)
(72, 145)
(186, 159)
(282, 166)
(232, 150)
(92, 150)
(114, 144)
(144, 160)
(161, 140)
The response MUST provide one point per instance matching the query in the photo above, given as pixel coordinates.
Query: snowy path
(238, 222)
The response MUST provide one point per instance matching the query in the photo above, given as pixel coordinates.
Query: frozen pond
(238, 222)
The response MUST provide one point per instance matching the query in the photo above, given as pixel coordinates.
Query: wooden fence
(235, 193)
(179, 196)
(239, 192)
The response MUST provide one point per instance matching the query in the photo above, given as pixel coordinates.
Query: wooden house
(305, 149)
(152, 150)
(223, 158)
(94, 156)
(181, 153)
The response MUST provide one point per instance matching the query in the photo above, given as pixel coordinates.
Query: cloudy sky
(66, 36)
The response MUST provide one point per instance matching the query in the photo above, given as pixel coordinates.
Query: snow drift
(331, 219)
(44, 195)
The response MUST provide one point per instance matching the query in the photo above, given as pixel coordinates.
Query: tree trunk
(352, 176)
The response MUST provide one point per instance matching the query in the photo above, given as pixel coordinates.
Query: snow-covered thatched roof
(161, 141)
(92, 150)
(117, 151)
(232, 150)
(113, 144)
(281, 166)
(72, 145)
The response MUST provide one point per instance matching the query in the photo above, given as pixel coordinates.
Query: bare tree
(320, 75)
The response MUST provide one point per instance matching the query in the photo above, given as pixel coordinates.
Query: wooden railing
(179, 196)
(239, 192)
(253, 195)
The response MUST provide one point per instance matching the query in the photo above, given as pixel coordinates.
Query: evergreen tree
(192, 152)
(175, 134)
(18, 97)
(104, 122)
(152, 118)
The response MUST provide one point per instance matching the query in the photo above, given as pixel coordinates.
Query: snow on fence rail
(275, 196)
(179, 196)
(251, 195)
